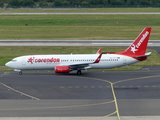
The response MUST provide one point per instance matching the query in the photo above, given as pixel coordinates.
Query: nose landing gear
(17, 70)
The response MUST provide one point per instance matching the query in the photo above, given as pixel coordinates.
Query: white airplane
(66, 63)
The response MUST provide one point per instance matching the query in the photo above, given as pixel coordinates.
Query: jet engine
(62, 69)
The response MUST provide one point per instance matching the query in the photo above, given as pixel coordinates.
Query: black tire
(20, 73)
(79, 72)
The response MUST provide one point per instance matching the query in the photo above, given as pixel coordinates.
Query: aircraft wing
(84, 65)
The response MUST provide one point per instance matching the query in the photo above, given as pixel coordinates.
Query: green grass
(89, 27)
(79, 20)
(8, 53)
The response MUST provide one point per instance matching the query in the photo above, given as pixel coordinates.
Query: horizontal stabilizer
(146, 54)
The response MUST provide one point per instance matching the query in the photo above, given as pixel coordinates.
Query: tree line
(77, 3)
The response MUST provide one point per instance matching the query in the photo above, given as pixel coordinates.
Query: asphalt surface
(46, 94)
(72, 42)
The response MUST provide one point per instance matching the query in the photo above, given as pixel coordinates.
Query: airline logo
(134, 47)
(43, 60)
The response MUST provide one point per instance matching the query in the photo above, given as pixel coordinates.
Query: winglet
(139, 45)
(99, 51)
(98, 59)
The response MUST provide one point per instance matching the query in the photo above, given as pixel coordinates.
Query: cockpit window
(13, 60)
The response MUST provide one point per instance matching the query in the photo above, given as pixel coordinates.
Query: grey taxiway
(72, 42)
(105, 94)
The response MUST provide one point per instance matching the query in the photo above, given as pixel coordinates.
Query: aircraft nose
(8, 64)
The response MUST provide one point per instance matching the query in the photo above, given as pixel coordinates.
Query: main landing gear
(79, 72)
(20, 73)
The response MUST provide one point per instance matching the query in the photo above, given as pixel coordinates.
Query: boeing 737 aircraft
(66, 63)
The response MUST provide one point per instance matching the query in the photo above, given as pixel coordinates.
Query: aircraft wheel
(20, 73)
(79, 72)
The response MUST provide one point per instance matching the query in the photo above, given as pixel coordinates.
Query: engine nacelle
(62, 69)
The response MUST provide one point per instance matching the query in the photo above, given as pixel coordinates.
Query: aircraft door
(23, 61)
(124, 60)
